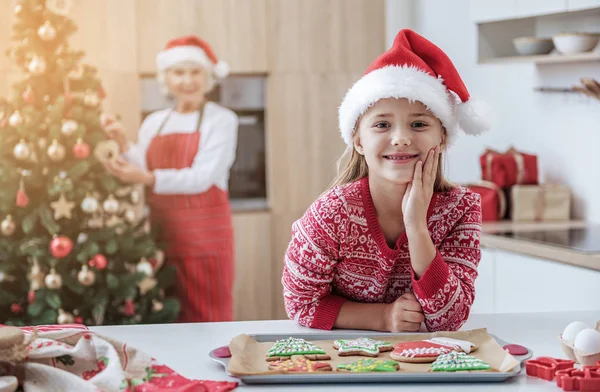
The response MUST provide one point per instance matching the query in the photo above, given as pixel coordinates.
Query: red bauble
(61, 247)
(16, 308)
(22, 198)
(99, 262)
(79, 320)
(81, 150)
(129, 308)
(31, 297)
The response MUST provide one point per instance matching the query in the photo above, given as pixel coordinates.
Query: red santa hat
(416, 69)
(194, 49)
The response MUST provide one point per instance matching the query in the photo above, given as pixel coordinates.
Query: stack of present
(510, 189)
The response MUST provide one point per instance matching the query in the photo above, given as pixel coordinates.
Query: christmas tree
(71, 246)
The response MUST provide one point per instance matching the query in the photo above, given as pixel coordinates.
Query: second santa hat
(416, 69)
(194, 49)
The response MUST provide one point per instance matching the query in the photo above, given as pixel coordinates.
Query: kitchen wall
(562, 129)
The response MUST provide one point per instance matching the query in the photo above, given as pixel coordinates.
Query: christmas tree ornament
(16, 308)
(129, 307)
(86, 276)
(135, 196)
(78, 319)
(22, 198)
(29, 96)
(64, 317)
(43, 143)
(91, 99)
(82, 237)
(8, 226)
(130, 216)
(81, 150)
(107, 151)
(96, 222)
(37, 65)
(62, 207)
(31, 296)
(111, 205)
(99, 262)
(15, 120)
(69, 127)
(61, 246)
(18, 9)
(90, 204)
(145, 267)
(157, 306)
(21, 150)
(59, 7)
(56, 151)
(53, 280)
(47, 32)
(147, 284)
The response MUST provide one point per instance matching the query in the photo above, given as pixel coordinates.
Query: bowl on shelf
(570, 43)
(530, 46)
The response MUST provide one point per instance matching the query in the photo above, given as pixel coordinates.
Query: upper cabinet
(495, 10)
(236, 30)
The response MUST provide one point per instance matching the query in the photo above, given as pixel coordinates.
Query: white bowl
(569, 43)
(529, 46)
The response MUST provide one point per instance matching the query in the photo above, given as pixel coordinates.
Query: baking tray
(379, 377)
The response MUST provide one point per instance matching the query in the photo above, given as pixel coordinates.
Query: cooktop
(585, 240)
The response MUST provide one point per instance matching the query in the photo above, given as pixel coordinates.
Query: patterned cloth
(338, 252)
(73, 358)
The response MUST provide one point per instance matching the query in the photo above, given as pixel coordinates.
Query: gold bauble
(64, 317)
(69, 127)
(56, 151)
(37, 65)
(130, 216)
(8, 226)
(111, 205)
(86, 276)
(47, 32)
(22, 151)
(53, 280)
(157, 306)
(15, 120)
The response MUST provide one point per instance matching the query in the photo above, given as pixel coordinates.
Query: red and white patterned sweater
(338, 252)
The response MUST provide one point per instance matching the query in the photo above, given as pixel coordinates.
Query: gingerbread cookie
(107, 151)
(425, 351)
(285, 348)
(369, 365)
(299, 364)
(361, 346)
(458, 362)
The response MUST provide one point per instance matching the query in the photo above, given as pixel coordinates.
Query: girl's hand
(415, 202)
(129, 173)
(115, 130)
(404, 315)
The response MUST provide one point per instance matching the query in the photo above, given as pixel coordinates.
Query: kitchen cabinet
(516, 283)
(577, 5)
(490, 10)
(254, 279)
(528, 8)
(236, 30)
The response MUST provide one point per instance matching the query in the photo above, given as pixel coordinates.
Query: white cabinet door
(576, 5)
(527, 8)
(489, 10)
(529, 284)
(485, 283)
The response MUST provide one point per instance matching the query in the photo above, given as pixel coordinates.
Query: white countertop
(185, 347)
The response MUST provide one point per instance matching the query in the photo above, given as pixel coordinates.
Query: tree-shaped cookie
(458, 361)
(285, 348)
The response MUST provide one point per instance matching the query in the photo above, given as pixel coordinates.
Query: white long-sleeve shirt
(215, 156)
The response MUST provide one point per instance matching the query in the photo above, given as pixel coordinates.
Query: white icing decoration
(466, 346)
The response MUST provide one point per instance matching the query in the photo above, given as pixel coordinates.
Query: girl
(392, 244)
(184, 156)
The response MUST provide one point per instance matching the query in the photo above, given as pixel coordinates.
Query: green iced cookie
(458, 361)
(293, 346)
(369, 365)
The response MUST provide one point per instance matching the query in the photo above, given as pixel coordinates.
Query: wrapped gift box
(509, 168)
(493, 200)
(548, 202)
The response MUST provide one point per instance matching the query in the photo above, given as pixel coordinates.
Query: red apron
(197, 230)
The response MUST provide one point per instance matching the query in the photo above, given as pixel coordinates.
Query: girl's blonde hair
(356, 168)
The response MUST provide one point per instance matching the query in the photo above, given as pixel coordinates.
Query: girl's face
(186, 82)
(394, 134)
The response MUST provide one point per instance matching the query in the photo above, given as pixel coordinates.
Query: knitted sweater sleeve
(310, 262)
(447, 288)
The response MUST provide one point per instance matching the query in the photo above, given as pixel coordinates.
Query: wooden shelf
(545, 59)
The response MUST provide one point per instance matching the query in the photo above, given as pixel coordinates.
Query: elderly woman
(184, 155)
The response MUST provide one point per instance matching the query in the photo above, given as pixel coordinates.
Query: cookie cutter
(546, 367)
(585, 379)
